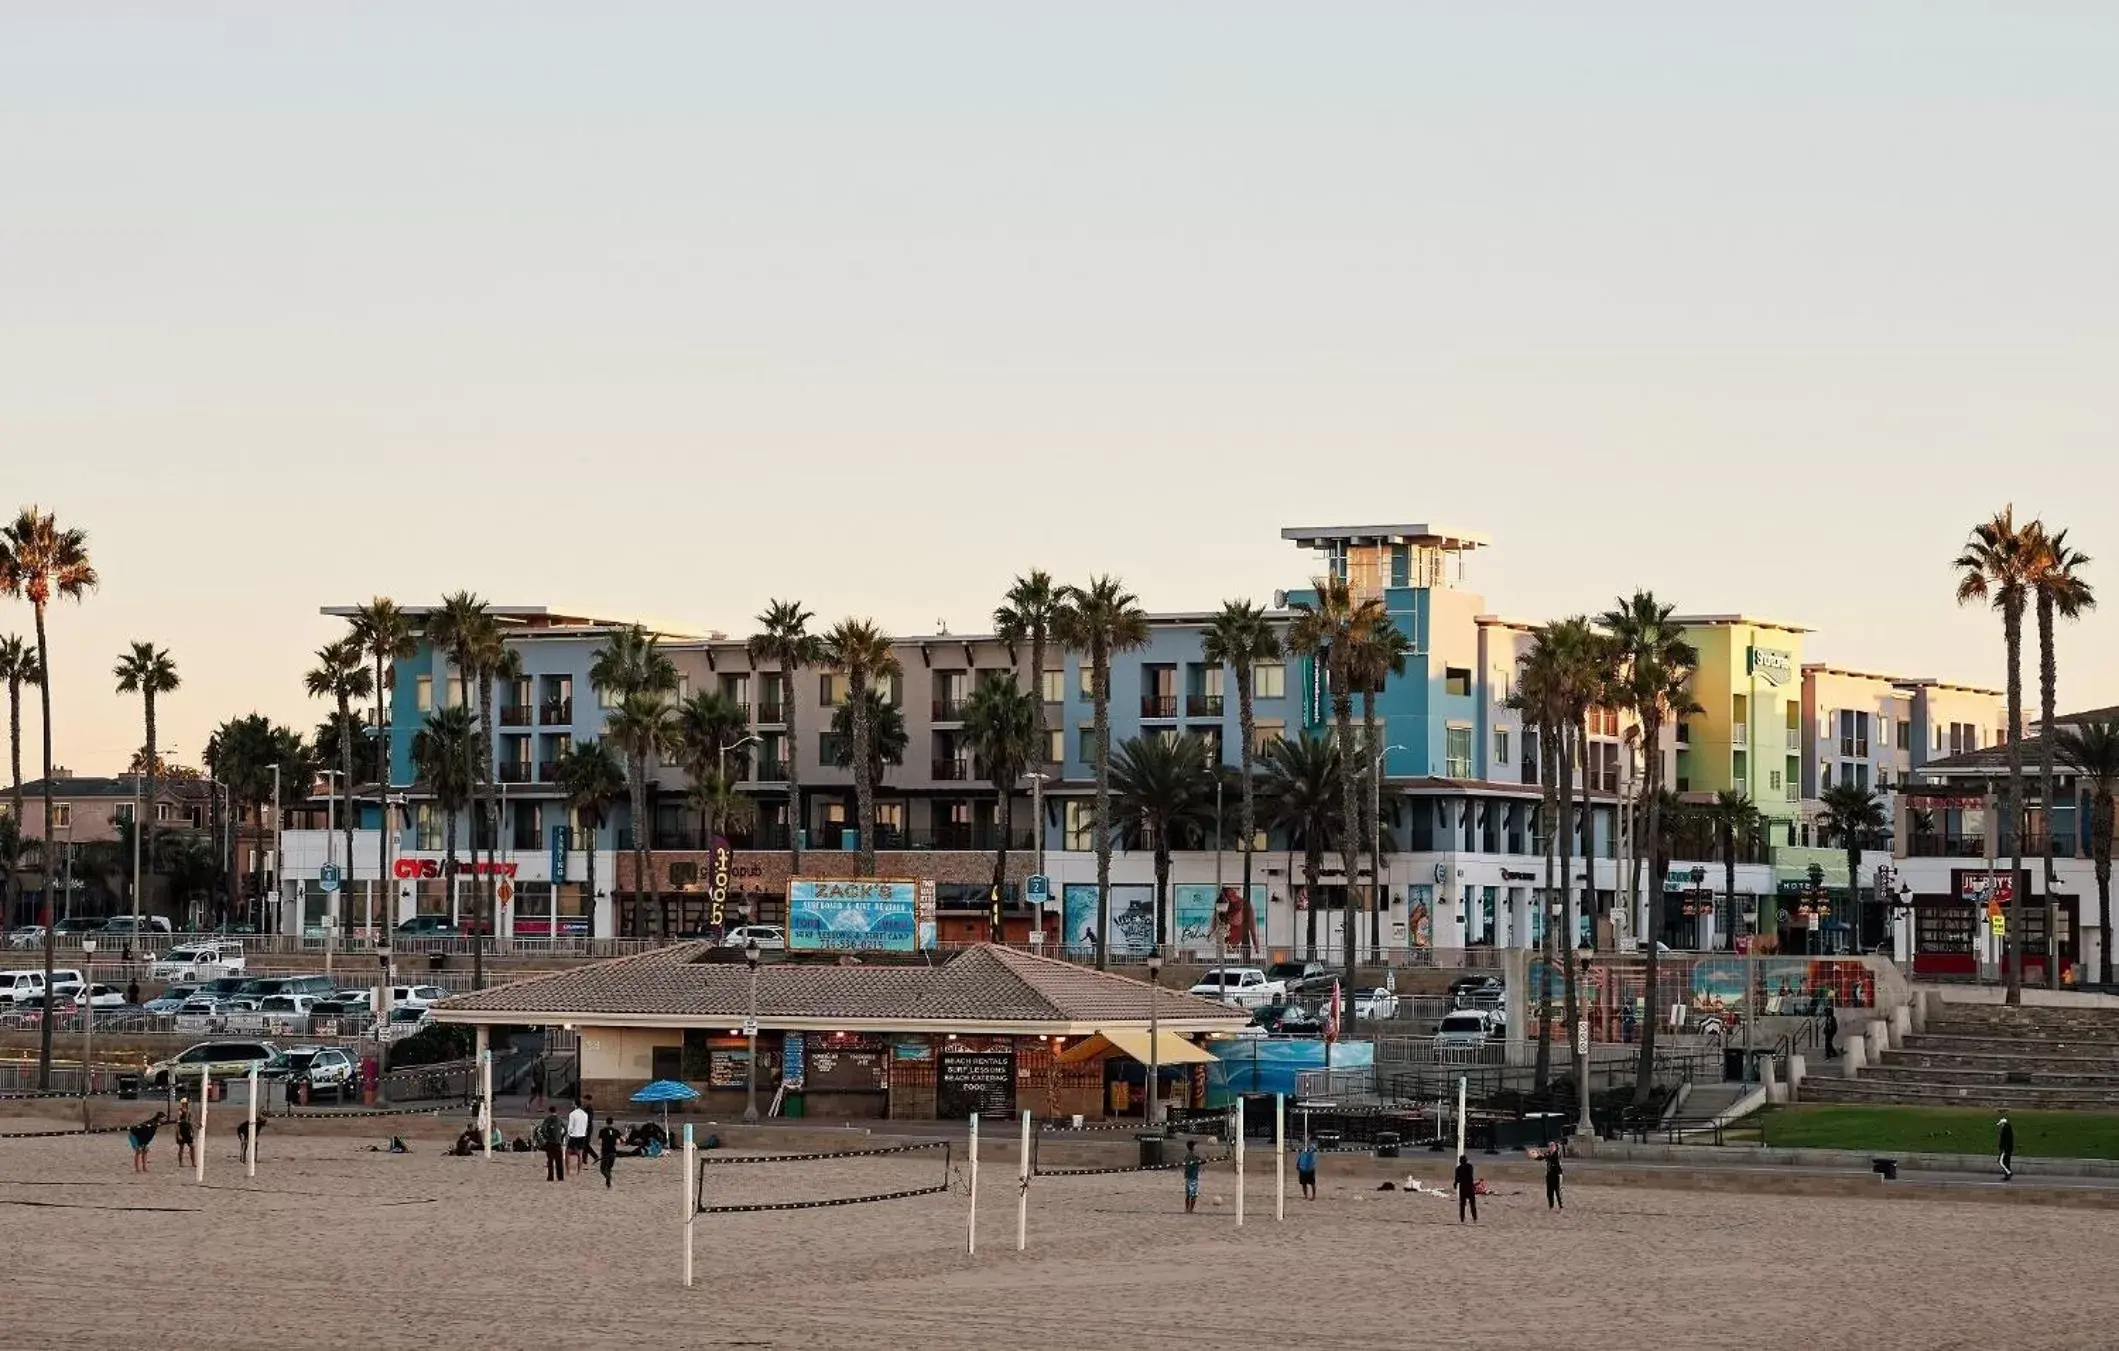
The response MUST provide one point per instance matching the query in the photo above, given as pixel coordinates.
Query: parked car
(198, 961)
(416, 996)
(1301, 977)
(170, 1000)
(25, 989)
(120, 928)
(1463, 1030)
(1470, 992)
(219, 1060)
(261, 987)
(78, 925)
(1375, 1003)
(100, 996)
(27, 936)
(201, 1006)
(223, 987)
(1245, 987)
(326, 1069)
(769, 937)
(1285, 1020)
(428, 926)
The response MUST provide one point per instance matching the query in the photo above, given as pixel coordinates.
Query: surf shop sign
(855, 916)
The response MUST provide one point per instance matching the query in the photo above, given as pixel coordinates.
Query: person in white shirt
(578, 1135)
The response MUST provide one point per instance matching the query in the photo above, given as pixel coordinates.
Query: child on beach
(1194, 1166)
(1306, 1170)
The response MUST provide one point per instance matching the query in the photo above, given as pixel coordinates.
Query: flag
(1331, 1020)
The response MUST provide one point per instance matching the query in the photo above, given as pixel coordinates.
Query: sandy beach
(334, 1244)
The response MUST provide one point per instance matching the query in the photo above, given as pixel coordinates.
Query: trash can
(1328, 1139)
(1386, 1144)
(129, 1087)
(1733, 1064)
(437, 961)
(1151, 1150)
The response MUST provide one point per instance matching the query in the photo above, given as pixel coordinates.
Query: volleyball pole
(1022, 1194)
(250, 1149)
(485, 1097)
(691, 1204)
(1280, 1156)
(971, 1225)
(1460, 1116)
(198, 1145)
(1239, 1163)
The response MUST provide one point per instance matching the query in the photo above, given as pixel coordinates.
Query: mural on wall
(1712, 990)
(1132, 927)
(1194, 906)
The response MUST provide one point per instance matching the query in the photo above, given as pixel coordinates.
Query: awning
(1170, 1049)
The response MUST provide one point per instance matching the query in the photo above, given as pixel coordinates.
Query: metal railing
(949, 710)
(1203, 705)
(556, 712)
(515, 715)
(951, 771)
(515, 771)
(772, 714)
(1158, 706)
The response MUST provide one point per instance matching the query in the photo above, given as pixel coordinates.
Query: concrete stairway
(1991, 1056)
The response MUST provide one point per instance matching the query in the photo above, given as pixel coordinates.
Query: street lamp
(752, 740)
(1155, 971)
(88, 1025)
(1585, 954)
(279, 846)
(750, 1028)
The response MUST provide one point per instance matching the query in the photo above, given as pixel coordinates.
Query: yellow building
(1748, 734)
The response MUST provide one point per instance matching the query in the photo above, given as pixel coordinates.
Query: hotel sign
(1771, 665)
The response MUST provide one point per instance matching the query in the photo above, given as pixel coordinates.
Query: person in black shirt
(606, 1150)
(551, 1137)
(1831, 1033)
(242, 1135)
(2007, 1140)
(1553, 1199)
(141, 1136)
(1467, 1189)
(187, 1143)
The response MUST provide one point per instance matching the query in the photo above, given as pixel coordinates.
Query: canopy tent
(1170, 1049)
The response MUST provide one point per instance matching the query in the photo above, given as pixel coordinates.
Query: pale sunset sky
(663, 310)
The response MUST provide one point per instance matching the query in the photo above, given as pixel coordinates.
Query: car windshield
(299, 1060)
(1464, 1022)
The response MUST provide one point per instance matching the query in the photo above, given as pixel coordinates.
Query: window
(1085, 744)
(1052, 686)
(1081, 827)
(62, 815)
(1457, 752)
(1883, 776)
(1087, 685)
(1500, 745)
(1401, 566)
(1269, 680)
(426, 826)
(1055, 745)
(684, 687)
(1264, 732)
(123, 813)
(831, 689)
(165, 812)
(423, 693)
(1457, 680)
(1905, 736)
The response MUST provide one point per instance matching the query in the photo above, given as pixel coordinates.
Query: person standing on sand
(1553, 1199)
(1306, 1170)
(1193, 1166)
(187, 1142)
(607, 1150)
(537, 1083)
(2006, 1139)
(1831, 1033)
(142, 1136)
(578, 1138)
(1467, 1189)
(551, 1137)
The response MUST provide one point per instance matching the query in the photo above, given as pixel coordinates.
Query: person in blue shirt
(1194, 1166)
(1306, 1170)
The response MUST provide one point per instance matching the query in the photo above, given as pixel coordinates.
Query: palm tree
(1001, 725)
(632, 669)
(887, 738)
(784, 638)
(441, 762)
(242, 753)
(18, 667)
(1382, 656)
(1853, 816)
(1306, 804)
(40, 561)
(1578, 673)
(861, 652)
(465, 630)
(1165, 801)
(1736, 820)
(340, 676)
(1026, 616)
(1997, 566)
(2093, 749)
(1539, 697)
(1098, 621)
(147, 671)
(1332, 630)
(1239, 637)
(385, 634)
(591, 779)
(710, 726)
(2060, 590)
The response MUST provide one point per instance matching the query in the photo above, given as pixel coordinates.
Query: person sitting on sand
(142, 1136)
(466, 1143)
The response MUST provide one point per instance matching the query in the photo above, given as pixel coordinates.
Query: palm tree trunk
(863, 776)
(2047, 678)
(1548, 764)
(793, 770)
(1312, 865)
(1247, 728)
(2103, 859)
(1659, 868)
(448, 865)
(1004, 815)
(385, 889)
(154, 780)
(1371, 827)
(1350, 804)
(1565, 950)
(2012, 799)
(639, 796)
(44, 698)
(1036, 687)
(588, 901)
(14, 751)
(1100, 816)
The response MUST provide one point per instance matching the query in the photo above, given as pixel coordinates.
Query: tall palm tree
(1305, 803)
(441, 763)
(1165, 801)
(1540, 697)
(341, 676)
(1098, 621)
(464, 629)
(1001, 725)
(1025, 618)
(887, 738)
(2093, 749)
(861, 652)
(18, 667)
(1382, 656)
(1853, 816)
(2061, 591)
(147, 671)
(1997, 565)
(632, 669)
(1736, 820)
(783, 638)
(710, 726)
(1332, 629)
(1239, 637)
(385, 633)
(40, 561)
(591, 779)
(1577, 658)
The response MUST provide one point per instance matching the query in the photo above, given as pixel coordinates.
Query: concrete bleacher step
(1829, 1088)
(1988, 1043)
(1943, 1059)
(1895, 1073)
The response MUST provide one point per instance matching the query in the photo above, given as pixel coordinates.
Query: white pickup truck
(1244, 987)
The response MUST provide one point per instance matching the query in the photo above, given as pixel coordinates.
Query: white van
(25, 989)
(198, 961)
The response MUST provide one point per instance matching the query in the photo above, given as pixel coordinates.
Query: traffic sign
(329, 878)
(505, 892)
(1037, 887)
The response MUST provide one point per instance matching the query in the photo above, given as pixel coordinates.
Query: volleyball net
(726, 1187)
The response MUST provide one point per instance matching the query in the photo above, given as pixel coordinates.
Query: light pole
(1585, 953)
(1155, 971)
(88, 1025)
(1037, 844)
(331, 778)
(136, 827)
(1221, 926)
(750, 1028)
(752, 740)
(279, 844)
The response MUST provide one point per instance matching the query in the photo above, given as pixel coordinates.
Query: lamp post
(88, 1024)
(136, 827)
(1585, 953)
(1155, 971)
(750, 1028)
(1221, 942)
(752, 740)
(279, 844)
(1221, 928)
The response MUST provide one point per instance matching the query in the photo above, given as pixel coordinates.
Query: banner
(848, 916)
(719, 861)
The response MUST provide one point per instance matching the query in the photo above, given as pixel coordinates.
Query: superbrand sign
(410, 869)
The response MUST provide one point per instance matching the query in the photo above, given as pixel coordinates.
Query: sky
(663, 311)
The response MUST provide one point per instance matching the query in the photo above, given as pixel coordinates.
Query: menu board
(727, 1069)
(845, 1071)
(982, 1082)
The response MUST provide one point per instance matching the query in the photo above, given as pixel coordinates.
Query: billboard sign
(854, 916)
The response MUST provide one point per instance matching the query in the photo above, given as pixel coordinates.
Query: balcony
(771, 771)
(1202, 705)
(952, 771)
(1739, 735)
(1158, 706)
(772, 714)
(556, 713)
(1795, 738)
(1946, 846)
(517, 771)
(514, 715)
(742, 707)
(949, 710)
(547, 771)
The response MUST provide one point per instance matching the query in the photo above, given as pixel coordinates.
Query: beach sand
(331, 1244)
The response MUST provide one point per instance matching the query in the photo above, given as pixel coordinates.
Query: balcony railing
(1158, 706)
(772, 714)
(1739, 735)
(515, 771)
(772, 771)
(742, 707)
(952, 771)
(1795, 738)
(514, 715)
(949, 710)
(1947, 846)
(547, 771)
(1202, 705)
(556, 712)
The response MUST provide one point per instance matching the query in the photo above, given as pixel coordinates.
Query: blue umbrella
(665, 1092)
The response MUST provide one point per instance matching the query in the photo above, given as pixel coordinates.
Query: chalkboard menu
(982, 1082)
(728, 1069)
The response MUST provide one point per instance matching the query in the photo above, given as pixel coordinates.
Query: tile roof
(984, 985)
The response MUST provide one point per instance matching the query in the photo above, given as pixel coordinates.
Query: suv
(1476, 992)
(1466, 1029)
(1299, 977)
(25, 989)
(416, 996)
(1246, 987)
(121, 927)
(769, 937)
(79, 924)
(217, 1059)
(323, 1068)
(428, 926)
(197, 961)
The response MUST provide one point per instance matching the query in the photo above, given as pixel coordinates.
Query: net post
(1022, 1194)
(485, 1090)
(1280, 1156)
(971, 1225)
(198, 1143)
(250, 1137)
(691, 1203)
(1460, 1119)
(1238, 1120)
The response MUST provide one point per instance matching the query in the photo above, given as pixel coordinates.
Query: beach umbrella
(663, 1092)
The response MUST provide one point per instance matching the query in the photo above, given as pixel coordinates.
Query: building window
(1905, 736)
(426, 826)
(62, 815)
(1457, 752)
(423, 693)
(827, 750)
(1087, 684)
(1085, 743)
(123, 813)
(1081, 824)
(164, 812)
(1055, 745)
(1773, 779)
(1052, 686)
(1401, 566)
(1269, 680)
(1500, 745)
(1457, 680)
(831, 689)
(1264, 732)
